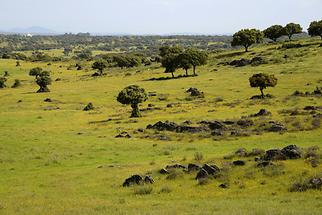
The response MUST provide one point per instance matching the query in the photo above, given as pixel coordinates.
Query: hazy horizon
(156, 16)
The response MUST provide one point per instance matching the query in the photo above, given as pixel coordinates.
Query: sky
(156, 16)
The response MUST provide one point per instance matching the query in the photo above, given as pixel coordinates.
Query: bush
(166, 189)
(143, 190)
(16, 84)
(198, 156)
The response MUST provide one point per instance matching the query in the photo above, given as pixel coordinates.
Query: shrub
(143, 190)
(198, 156)
(166, 189)
(16, 84)
(3, 82)
(89, 107)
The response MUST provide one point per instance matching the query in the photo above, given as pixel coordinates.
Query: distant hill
(32, 30)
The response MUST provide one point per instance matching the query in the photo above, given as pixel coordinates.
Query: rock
(172, 126)
(316, 183)
(276, 127)
(258, 61)
(224, 186)
(123, 134)
(262, 112)
(245, 123)
(47, 100)
(134, 179)
(292, 152)
(242, 152)
(256, 152)
(148, 179)
(202, 174)
(239, 163)
(163, 172)
(163, 126)
(211, 170)
(264, 164)
(214, 125)
(195, 92)
(193, 167)
(273, 154)
(240, 63)
(89, 107)
(175, 166)
(217, 132)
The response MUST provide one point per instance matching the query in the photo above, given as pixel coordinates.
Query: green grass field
(67, 161)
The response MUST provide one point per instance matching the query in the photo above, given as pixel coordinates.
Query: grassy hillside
(56, 158)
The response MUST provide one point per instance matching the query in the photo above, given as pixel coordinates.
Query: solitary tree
(35, 72)
(291, 29)
(196, 58)
(133, 95)
(262, 81)
(274, 32)
(315, 29)
(43, 80)
(100, 65)
(3, 82)
(247, 37)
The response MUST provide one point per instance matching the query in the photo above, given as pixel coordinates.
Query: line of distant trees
(248, 37)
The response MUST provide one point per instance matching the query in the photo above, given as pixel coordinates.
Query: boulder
(239, 163)
(193, 167)
(148, 179)
(163, 171)
(211, 169)
(123, 134)
(202, 174)
(273, 154)
(242, 152)
(163, 126)
(134, 179)
(240, 63)
(276, 127)
(262, 112)
(195, 92)
(175, 166)
(292, 152)
(245, 123)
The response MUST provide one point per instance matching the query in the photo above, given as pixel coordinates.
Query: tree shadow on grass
(171, 78)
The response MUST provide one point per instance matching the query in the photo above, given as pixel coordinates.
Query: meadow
(56, 158)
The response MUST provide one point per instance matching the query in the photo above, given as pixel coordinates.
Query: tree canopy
(133, 95)
(262, 81)
(35, 72)
(315, 29)
(247, 37)
(100, 65)
(274, 32)
(292, 28)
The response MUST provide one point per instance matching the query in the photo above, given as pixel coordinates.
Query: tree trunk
(262, 93)
(135, 111)
(186, 72)
(172, 74)
(290, 37)
(194, 70)
(101, 72)
(246, 48)
(43, 89)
